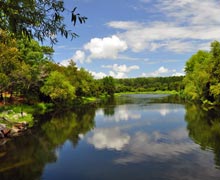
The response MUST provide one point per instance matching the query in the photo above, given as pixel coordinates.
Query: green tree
(36, 65)
(215, 73)
(39, 19)
(202, 80)
(9, 60)
(21, 79)
(197, 76)
(9, 54)
(108, 84)
(58, 88)
(32, 53)
(81, 79)
(4, 81)
(85, 83)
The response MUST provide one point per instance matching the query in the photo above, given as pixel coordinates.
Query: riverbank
(18, 118)
(15, 119)
(133, 119)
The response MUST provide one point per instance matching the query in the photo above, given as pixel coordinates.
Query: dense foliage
(151, 84)
(27, 71)
(39, 19)
(108, 85)
(202, 81)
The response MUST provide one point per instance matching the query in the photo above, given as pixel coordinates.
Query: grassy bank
(22, 113)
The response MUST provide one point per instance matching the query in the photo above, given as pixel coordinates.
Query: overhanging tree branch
(39, 19)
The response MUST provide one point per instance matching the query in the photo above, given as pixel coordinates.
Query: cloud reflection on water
(121, 113)
(141, 145)
(137, 140)
(109, 138)
(165, 109)
(162, 146)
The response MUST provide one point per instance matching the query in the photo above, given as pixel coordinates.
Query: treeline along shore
(30, 78)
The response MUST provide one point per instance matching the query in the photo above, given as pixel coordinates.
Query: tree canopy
(146, 84)
(108, 85)
(27, 71)
(58, 88)
(202, 81)
(39, 19)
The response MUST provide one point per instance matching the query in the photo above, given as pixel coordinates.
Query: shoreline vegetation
(29, 75)
(15, 119)
(23, 95)
(202, 79)
(58, 94)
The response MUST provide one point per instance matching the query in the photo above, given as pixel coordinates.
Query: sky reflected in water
(144, 140)
(152, 131)
(131, 137)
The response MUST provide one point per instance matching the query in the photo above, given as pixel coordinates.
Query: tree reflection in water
(204, 128)
(26, 156)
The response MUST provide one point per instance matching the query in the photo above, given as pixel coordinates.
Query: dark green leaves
(41, 19)
(82, 19)
(202, 81)
(74, 19)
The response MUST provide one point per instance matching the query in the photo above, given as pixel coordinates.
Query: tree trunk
(1, 97)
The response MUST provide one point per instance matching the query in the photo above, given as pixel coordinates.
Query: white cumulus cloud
(120, 71)
(99, 48)
(162, 71)
(105, 48)
(98, 75)
(121, 68)
(79, 56)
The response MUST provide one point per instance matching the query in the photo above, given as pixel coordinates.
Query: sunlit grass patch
(10, 117)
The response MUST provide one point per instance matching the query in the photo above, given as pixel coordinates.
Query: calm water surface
(132, 137)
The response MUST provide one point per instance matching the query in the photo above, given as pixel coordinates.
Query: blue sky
(139, 38)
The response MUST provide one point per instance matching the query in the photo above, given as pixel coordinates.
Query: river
(129, 137)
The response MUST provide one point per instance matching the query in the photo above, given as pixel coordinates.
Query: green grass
(89, 99)
(22, 113)
(41, 108)
(16, 117)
